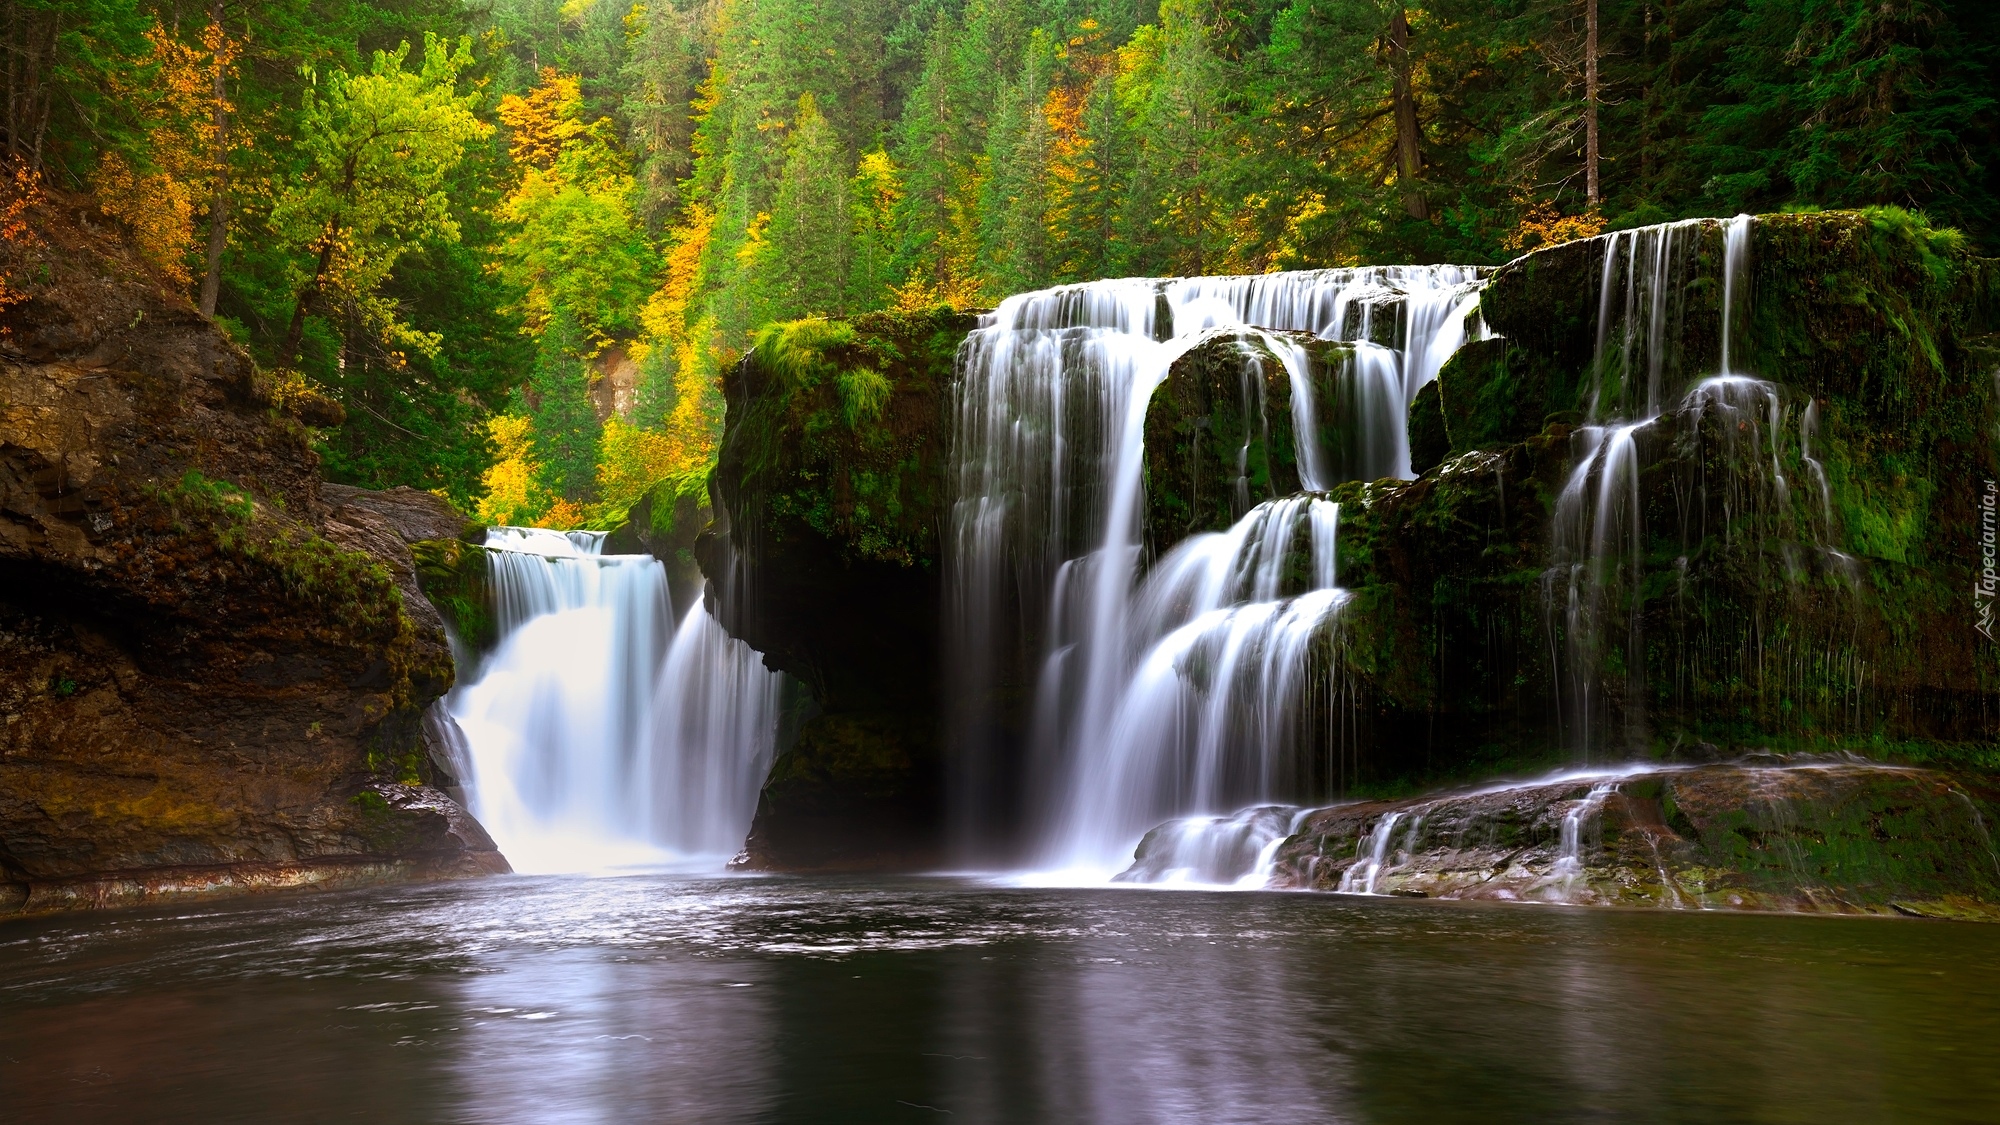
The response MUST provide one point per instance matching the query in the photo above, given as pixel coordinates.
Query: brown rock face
(208, 680)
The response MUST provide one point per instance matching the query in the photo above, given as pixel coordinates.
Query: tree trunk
(1590, 103)
(296, 332)
(1409, 139)
(218, 204)
(13, 80)
(46, 56)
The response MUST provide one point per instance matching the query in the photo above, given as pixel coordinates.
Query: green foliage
(863, 394)
(566, 428)
(839, 431)
(805, 254)
(454, 576)
(376, 151)
(796, 351)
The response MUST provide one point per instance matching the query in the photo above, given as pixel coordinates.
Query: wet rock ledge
(212, 672)
(1819, 836)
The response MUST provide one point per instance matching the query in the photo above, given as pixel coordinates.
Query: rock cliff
(211, 670)
(829, 498)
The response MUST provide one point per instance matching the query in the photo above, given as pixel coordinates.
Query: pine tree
(660, 81)
(930, 148)
(872, 199)
(1015, 208)
(566, 428)
(808, 241)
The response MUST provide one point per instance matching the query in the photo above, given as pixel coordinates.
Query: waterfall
(1215, 851)
(1206, 720)
(599, 733)
(1599, 532)
(1168, 698)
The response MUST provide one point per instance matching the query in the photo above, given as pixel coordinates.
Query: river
(671, 998)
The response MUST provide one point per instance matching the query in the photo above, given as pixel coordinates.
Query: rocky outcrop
(666, 524)
(1221, 433)
(829, 496)
(211, 673)
(1826, 836)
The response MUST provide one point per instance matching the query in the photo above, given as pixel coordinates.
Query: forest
(517, 241)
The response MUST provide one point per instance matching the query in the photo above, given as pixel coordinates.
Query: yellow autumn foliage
(512, 496)
(540, 123)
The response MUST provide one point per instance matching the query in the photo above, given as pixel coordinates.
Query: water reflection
(664, 999)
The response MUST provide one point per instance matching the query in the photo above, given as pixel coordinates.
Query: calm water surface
(672, 998)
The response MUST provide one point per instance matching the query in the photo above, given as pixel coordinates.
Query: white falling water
(1599, 528)
(1215, 851)
(1568, 867)
(1206, 720)
(601, 735)
(1046, 549)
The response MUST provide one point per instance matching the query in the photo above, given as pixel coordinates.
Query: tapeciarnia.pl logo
(1988, 586)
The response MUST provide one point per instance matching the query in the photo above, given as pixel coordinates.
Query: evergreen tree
(660, 81)
(872, 198)
(565, 424)
(1087, 233)
(808, 245)
(1016, 204)
(930, 150)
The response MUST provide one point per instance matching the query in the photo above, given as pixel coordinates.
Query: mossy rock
(455, 576)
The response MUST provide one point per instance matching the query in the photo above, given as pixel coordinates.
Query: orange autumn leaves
(174, 88)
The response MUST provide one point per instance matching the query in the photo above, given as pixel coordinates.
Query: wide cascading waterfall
(599, 733)
(1046, 546)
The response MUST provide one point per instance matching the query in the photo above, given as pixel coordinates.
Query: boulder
(1831, 835)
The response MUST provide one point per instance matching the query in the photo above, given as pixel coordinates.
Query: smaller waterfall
(1569, 865)
(1373, 855)
(1214, 851)
(1735, 263)
(1599, 531)
(599, 733)
(1206, 719)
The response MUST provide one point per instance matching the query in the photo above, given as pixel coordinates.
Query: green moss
(454, 576)
(353, 588)
(835, 432)
(1884, 508)
(863, 394)
(796, 351)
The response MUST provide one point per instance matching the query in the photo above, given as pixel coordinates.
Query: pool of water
(676, 998)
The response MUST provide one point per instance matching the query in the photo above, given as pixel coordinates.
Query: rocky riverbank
(1836, 835)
